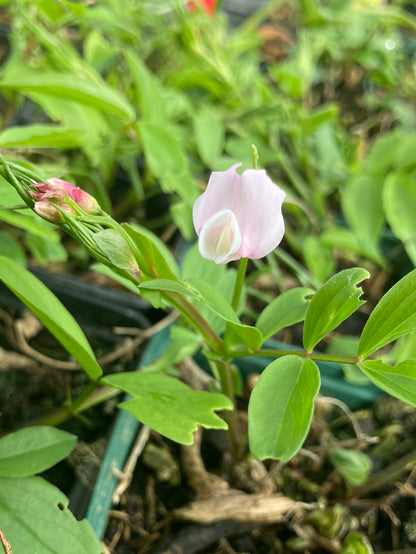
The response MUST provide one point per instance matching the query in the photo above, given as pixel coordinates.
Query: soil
(198, 499)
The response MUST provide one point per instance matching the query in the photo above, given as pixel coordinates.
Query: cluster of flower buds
(56, 192)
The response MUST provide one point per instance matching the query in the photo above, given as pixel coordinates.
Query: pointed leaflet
(35, 518)
(169, 406)
(399, 381)
(40, 300)
(394, 316)
(336, 300)
(33, 450)
(281, 407)
(285, 310)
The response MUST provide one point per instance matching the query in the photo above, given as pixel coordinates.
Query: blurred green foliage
(131, 98)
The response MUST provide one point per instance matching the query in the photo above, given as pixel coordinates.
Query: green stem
(239, 282)
(189, 312)
(230, 417)
(90, 397)
(276, 353)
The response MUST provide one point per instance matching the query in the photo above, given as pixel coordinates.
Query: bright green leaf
(40, 300)
(35, 518)
(29, 221)
(209, 136)
(97, 95)
(281, 407)
(354, 466)
(169, 406)
(356, 543)
(336, 300)
(11, 248)
(41, 136)
(318, 257)
(33, 450)
(163, 152)
(394, 316)
(155, 259)
(399, 381)
(363, 209)
(399, 197)
(285, 310)
(147, 89)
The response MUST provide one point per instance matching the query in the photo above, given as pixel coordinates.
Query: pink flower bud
(50, 212)
(59, 190)
(239, 216)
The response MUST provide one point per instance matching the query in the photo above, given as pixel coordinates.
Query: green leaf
(353, 466)
(33, 450)
(30, 222)
(97, 95)
(35, 518)
(41, 136)
(336, 300)
(209, 135)
(399, 381)
(399, 197)
(148, 90)
(363, 209)
(355, 543)
(220, 276)
(285, 310)
(209, 296)
(163, 153)
(394, 316)
(169, 406)
(8, 194)
(11, 248)
(40, 300)
(318, 257)
(155, 259)
(281, 407)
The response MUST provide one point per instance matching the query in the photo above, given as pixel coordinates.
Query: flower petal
(220, 238)
(259, 214)
(221, 194)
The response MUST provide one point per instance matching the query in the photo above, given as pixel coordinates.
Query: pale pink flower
(239, 216)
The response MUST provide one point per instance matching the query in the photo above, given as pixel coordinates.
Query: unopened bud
(59, 191)
(50, 212)
(85, 201)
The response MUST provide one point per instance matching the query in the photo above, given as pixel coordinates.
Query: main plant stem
(224, 369)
